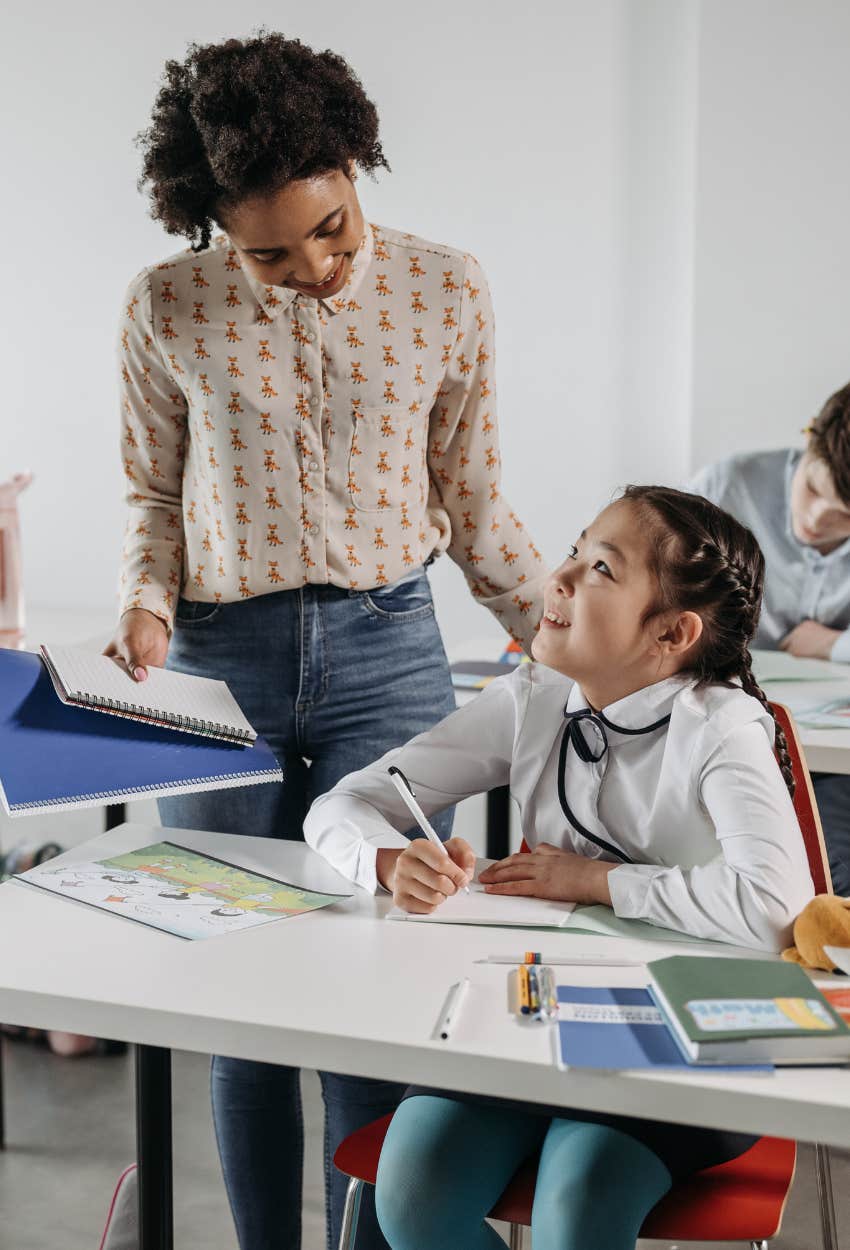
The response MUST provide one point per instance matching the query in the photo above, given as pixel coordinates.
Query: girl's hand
(140, 639)
(421, 877)
(548, 872)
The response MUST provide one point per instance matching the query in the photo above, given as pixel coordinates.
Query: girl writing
(640, 751)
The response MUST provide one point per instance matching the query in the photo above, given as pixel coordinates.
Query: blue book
(54, 756)
(619, 1028)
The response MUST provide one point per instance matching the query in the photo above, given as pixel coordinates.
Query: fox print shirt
(271, 439)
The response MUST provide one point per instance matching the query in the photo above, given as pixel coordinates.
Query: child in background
(641, 753)
(797, 504)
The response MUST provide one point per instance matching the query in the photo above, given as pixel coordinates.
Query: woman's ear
(682, 632)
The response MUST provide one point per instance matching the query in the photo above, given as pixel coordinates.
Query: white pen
(449, 1018)
(408, 794)
(589, 961)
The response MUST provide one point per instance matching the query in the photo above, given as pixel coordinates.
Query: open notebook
(478, 907)
(198, 705)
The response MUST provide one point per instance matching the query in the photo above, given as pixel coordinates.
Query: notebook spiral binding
(138, 711)
(266, 775)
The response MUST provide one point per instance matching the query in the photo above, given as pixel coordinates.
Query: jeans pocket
(192, 613)
(408, 599)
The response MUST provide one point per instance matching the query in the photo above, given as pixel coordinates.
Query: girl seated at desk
(640, 751)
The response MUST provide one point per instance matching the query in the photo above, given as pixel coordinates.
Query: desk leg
(498, 822)
(153, 1147)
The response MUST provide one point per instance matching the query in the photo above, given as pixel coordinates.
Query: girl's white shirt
(699, 805)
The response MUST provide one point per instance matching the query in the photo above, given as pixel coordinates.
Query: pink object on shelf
(11, 573)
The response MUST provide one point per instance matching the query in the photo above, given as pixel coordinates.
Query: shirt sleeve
(840, 653)
(502, 566)
(706, 482)
(753, 890)
(154, 420)
(466, 753)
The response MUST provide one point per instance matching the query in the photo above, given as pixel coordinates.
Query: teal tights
(445, 1163)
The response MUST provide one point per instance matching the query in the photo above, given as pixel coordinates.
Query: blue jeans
(832, 791)
(331, 679)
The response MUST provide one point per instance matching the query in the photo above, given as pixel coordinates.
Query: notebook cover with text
(54, 757)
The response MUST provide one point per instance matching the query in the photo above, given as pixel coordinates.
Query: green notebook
(747, 1011)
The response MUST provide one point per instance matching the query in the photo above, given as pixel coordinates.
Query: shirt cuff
(519, 610)
(840, 653)
(628, 886)
(151, 601)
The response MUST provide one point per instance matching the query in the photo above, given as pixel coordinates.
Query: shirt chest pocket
(387, 459)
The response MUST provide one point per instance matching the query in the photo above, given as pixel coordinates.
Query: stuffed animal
(825, 921)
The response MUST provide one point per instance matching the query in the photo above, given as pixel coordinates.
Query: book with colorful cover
(167, 886)
(618, 1028)
(747, 1010)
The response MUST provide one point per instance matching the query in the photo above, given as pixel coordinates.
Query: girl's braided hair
(706, 562)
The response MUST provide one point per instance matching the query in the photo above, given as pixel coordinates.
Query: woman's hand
(548, 872)
(140, 639)
(421, 877)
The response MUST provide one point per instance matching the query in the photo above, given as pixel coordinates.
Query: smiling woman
(309, 419)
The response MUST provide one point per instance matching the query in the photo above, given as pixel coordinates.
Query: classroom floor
(70, 1132)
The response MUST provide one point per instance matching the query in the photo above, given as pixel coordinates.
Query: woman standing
(309, 419)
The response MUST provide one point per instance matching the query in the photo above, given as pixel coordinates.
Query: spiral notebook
(198, 705)
(55, 756)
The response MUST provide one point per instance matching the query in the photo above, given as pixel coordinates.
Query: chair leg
(516, 1237)
(823, 1173)
(350, 1214)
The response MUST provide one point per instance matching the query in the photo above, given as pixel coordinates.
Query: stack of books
(703, 1011)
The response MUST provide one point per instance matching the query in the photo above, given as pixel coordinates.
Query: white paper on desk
(834, 714)
(780, 666)
(478, 907)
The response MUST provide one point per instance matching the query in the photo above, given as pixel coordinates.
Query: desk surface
(347, 990)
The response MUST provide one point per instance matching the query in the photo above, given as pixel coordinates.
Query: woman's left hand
(548, 872)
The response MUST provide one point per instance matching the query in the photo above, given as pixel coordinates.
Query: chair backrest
(804, 803)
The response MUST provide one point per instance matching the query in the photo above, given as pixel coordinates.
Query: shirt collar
(275, 300)
(641, 707)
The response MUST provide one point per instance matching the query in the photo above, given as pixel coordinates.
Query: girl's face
(594, 628)
(304, 236)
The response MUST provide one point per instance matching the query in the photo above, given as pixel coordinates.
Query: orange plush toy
(825, 921)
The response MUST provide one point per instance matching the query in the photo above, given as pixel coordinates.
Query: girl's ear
(681, 633)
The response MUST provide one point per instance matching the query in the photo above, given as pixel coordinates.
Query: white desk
(337, 990)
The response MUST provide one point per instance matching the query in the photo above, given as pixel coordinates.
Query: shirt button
(314, 529)
(313, 465)
(310, 336)
(313, 401)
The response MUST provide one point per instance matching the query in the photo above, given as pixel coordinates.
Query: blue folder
(618, 1046)
(54, 756)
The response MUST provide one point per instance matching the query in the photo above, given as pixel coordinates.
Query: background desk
(253, 995)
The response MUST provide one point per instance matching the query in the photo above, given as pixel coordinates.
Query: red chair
(742, 1200)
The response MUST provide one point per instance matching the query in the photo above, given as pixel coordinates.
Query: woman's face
(304, 236)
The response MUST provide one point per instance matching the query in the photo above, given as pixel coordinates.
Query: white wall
(772, 251)
(658, 190)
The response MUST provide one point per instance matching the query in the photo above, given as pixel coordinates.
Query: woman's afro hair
(245, 117)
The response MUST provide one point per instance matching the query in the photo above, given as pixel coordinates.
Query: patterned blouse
(272, 440)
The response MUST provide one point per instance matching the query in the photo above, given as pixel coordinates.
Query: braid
(751, 686)
(706, 562)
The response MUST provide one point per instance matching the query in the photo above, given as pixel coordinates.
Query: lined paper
(171, 698)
